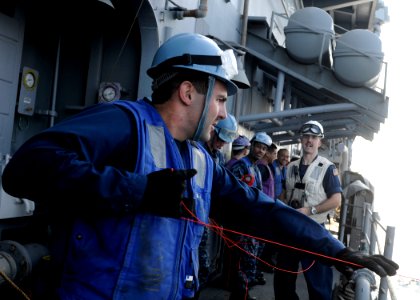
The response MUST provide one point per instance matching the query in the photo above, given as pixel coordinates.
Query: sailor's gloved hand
(352, 260)
(164, 192)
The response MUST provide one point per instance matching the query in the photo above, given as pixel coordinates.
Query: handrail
(380, 84)
(274, 24)
(369, 243)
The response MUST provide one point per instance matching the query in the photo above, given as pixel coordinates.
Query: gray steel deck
(262, 292)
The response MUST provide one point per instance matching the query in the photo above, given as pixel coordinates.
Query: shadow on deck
(262, 292)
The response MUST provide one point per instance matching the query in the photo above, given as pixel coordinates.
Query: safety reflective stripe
(199, 161)
(157, 145)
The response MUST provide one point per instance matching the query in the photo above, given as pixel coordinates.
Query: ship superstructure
(298, 61)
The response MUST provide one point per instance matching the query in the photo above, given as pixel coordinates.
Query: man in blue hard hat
(240, 148)
(224, 132)
(243, 266)
(127, 203)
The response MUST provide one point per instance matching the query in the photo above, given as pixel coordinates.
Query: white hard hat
(312, 128)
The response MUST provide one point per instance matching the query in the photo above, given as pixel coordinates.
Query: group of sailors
(312, 186)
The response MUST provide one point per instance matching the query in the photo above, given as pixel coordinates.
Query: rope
(9, 281)
(220, 231)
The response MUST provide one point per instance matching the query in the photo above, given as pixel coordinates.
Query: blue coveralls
(204, 259)
(244, 264)
(91, 172)
(279, 178)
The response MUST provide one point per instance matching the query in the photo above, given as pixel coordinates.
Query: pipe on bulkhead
(17, 261)
(245, 23)
(239, 94)
(299, 111)
(279, 91)
(200, 12)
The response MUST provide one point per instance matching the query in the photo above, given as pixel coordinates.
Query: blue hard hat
(263, 138)
(241, 142)
(226, 129)
(195, 52)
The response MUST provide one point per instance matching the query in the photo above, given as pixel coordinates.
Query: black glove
(376, 263)
(164, 192)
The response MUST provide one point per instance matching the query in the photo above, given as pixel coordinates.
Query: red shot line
(230, 243)
(220, 231)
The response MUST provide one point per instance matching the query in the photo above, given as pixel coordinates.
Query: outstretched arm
(252, 212)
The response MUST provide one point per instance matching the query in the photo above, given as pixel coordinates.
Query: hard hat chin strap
(203, 117)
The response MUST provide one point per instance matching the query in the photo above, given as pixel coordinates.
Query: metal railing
(370, 244)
